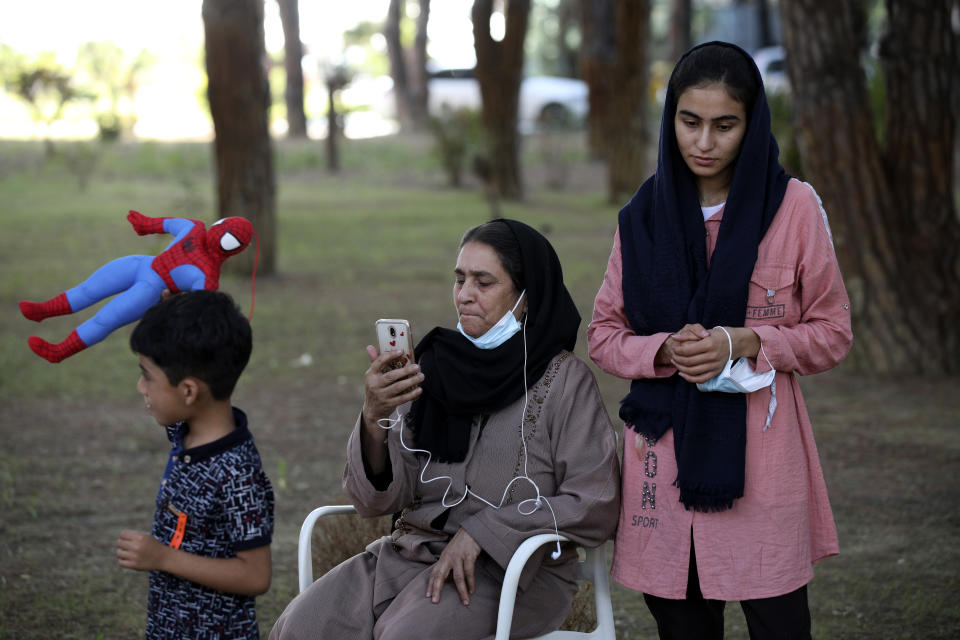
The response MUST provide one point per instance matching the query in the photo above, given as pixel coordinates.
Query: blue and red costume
(192, 261)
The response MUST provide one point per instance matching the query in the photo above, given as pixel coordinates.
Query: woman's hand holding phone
(392, 380)
(386, 388)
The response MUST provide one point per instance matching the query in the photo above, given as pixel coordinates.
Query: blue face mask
(499, 333)
(740, 377)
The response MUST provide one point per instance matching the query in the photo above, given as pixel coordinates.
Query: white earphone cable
(537, 501)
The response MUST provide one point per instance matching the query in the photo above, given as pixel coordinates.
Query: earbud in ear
(555, 554)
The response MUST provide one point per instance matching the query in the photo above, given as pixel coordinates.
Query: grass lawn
(81, 459)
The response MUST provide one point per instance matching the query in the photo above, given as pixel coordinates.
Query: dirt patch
(75, 474)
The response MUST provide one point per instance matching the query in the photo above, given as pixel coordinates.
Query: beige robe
(570, 456)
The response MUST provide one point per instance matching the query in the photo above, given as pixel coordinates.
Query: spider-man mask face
(229, 235)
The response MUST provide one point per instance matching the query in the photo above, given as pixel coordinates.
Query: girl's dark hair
(498, 236)
(718, 63)
(201, 334)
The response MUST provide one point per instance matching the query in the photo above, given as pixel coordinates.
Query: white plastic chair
(592, 568)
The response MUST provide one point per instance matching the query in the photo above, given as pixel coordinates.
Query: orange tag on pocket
(181, 528)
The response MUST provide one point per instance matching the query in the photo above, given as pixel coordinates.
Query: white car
(542, 98)
(772, 62)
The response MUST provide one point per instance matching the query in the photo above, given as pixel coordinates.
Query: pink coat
(767, 544)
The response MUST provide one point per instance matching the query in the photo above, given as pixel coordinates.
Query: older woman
(504, 437)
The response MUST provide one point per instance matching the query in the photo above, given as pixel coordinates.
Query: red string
(253, 278)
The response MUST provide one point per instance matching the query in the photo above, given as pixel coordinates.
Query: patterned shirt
(214, 501)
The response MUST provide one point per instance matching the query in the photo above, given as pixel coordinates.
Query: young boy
(209, 553)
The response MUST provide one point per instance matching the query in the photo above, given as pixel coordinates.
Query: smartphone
(393, 334)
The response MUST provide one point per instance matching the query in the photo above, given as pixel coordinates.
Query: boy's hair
(201, 334)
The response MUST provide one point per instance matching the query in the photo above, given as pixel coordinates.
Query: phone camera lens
(393, 332)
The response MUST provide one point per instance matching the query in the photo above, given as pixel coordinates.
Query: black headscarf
(666, 284)
(462, 381)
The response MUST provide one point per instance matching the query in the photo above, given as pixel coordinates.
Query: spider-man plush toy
(192, 261)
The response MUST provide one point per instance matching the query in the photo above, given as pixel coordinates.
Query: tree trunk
(333, 130)
(627, 163)
(239, 99)
(418, 89)
(408, 68)
(500, 73)
(763, 17)
(597, 57)
(895, 227)
(336, 79)
(293, 56)
(398, 67)
(568, 20)
(681, 12)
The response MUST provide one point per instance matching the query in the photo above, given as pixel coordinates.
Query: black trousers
(785, 617)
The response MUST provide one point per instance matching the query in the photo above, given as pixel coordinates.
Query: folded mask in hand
(740, 377)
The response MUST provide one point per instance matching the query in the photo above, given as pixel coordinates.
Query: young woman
(720, 256)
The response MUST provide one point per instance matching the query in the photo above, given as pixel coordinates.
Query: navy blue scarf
(666, 284)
